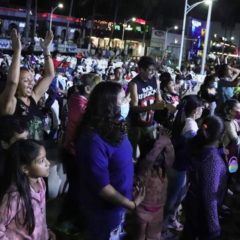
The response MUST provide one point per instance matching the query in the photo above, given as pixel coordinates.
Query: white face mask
(215, 84)
(124, 110)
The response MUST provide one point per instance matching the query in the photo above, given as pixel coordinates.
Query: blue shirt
(224, 93)
(101, 164)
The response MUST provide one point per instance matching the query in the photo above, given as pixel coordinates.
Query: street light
(187, 9)
(166, 35)
(133, 19)
(60, 5)
(209, 3)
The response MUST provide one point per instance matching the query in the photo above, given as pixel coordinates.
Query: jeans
(177, 189)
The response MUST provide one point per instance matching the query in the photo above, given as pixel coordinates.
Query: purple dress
(208, 180)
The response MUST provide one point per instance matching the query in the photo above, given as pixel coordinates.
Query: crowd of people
(137, 140)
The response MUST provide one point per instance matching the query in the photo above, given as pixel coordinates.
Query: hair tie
(205, 126)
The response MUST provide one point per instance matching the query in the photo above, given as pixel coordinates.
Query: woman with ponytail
(185, 127)
(208, 178)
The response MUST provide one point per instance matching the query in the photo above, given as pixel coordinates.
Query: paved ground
(230, 224)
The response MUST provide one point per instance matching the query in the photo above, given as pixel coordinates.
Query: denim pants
(177, 188)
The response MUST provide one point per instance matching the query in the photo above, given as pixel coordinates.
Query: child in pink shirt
(22, 200)
(152, 173)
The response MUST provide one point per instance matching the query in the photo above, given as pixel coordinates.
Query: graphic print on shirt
(146, 92)
(147, 117)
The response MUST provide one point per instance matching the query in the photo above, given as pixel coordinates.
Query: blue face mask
(124, 110)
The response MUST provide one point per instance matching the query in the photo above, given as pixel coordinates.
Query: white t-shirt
(190, 126)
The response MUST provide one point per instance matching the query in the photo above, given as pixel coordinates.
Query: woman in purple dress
(208, 179)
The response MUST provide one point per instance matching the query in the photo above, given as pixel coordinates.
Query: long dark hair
(222, 71)
(21, 153)
(103, 113)
(207, 83)
(187, 105)
(10, 125)
(227, 107)
(209, 132)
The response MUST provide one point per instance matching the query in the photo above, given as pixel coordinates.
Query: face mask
(124, 110)
(214, 85)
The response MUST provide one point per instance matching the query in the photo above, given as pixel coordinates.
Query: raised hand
(47, 40)
(16, 40)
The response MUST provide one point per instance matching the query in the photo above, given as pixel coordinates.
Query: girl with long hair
(22, 197)
(104, 157)
(208, 92)
(208, 179)
(185, 127)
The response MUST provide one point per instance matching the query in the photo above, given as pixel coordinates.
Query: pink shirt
(156, 183)
(76, 108)
(12, 211)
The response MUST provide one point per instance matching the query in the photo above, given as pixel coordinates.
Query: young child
(22, 199)
(152, 172)
(208, 179)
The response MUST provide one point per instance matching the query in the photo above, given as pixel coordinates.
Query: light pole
(124, 25)
(69, 15)
(187, 9)
(35, 18)
(60, 5)
(166, 35)
(28, 7)
(206, 36)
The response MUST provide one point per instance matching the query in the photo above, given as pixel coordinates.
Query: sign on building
(157, 39)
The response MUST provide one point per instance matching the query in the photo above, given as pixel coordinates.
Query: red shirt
(76, 108)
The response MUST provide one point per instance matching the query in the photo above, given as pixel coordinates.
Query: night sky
(226, 11)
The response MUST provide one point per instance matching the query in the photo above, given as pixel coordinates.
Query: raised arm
(43, 85)
(7, 98)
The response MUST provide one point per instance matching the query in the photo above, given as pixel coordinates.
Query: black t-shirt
(32, 116)
(146, 91)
